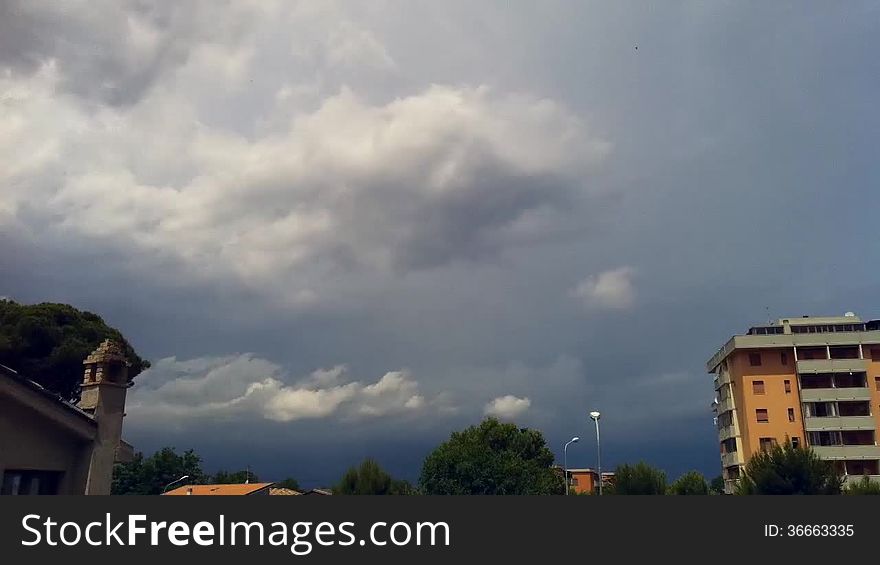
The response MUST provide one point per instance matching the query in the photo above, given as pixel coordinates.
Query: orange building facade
(813, 381)
(586, 481)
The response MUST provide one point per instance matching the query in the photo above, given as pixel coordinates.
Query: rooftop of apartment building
(848, 329)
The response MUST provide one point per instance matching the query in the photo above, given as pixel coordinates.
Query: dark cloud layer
(506, 208)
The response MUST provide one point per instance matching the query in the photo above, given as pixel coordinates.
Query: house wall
(586, 481)
(29, 441)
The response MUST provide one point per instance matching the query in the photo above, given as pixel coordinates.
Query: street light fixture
(183, 478)
(565, 461)
(595, 417)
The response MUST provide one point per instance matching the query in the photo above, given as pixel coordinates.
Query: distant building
(813, 381)
(319, 492)
(587, 480)
(50, 446)
(247, 489)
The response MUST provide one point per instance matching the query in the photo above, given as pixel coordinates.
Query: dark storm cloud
(501, 202)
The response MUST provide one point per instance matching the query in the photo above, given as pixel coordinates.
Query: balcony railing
(728, 459)
(727, 432)
(836, 452)
(832, 366)
(857, 478)
(814, 424)
(830, 394)
(724, 405)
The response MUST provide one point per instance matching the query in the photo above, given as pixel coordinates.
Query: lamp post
(183, 478)
(565, 461)
(595, 417)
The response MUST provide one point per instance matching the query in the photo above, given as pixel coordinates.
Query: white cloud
(507, 407)
(611, 289)
(168, 166)
(247, 387)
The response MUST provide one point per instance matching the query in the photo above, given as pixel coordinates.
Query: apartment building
(812, 380)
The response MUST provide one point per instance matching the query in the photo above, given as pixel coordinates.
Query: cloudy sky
(343, 229)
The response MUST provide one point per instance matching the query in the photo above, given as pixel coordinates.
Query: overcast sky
(345, 229)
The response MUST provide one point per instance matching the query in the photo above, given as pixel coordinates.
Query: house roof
(40, 389)
(46, 403)
(279, 491)
(57, 409)
(319, 491)
(219, 490)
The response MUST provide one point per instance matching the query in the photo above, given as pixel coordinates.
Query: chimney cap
(108, 350)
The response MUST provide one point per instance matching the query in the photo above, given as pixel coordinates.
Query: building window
(795, 442)
(766, 443)
(787, 386)
(877, 383)
(784, 358)
(758, 387)
(791, 414)
(755, 359)
(761, 414)
(875, 353)
(30, 482)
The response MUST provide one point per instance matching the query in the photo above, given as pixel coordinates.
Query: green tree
(717, 485)
(289, 482)
(640, 478)
(691, 482)
(785, 469)
(370, 478)
(48, 343)
(863, 486)
(492, 458)
(235, 478)
(150, 475)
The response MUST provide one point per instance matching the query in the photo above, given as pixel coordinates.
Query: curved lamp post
(183, 478)
(565, 460)
(595, 417)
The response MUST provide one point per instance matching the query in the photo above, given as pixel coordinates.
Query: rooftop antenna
(769, 317)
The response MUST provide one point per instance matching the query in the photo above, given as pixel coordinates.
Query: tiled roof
(283, 492)
(219, 490)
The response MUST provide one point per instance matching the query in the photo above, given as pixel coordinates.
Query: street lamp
(183, 478)
(565, 460)
(595, 417)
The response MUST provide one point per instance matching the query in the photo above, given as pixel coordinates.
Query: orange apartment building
(814, 381)
(586, 481)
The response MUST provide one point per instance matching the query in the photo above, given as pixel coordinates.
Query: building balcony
(832, 366)
(841, 452)
(728, 459)
(857, 478)
(727, 432)
(831, 394)
(724, 405)
(838, 423)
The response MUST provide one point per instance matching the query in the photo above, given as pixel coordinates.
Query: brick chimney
(103, 396)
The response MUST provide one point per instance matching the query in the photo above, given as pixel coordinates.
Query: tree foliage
(370, 478)
(48, 343)
(717, 485)
(289, 482)
(640, 478)
(235, 478)
(863, 486)
(492, 458)
(785, 469)
(691, 483)
(150, 475)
